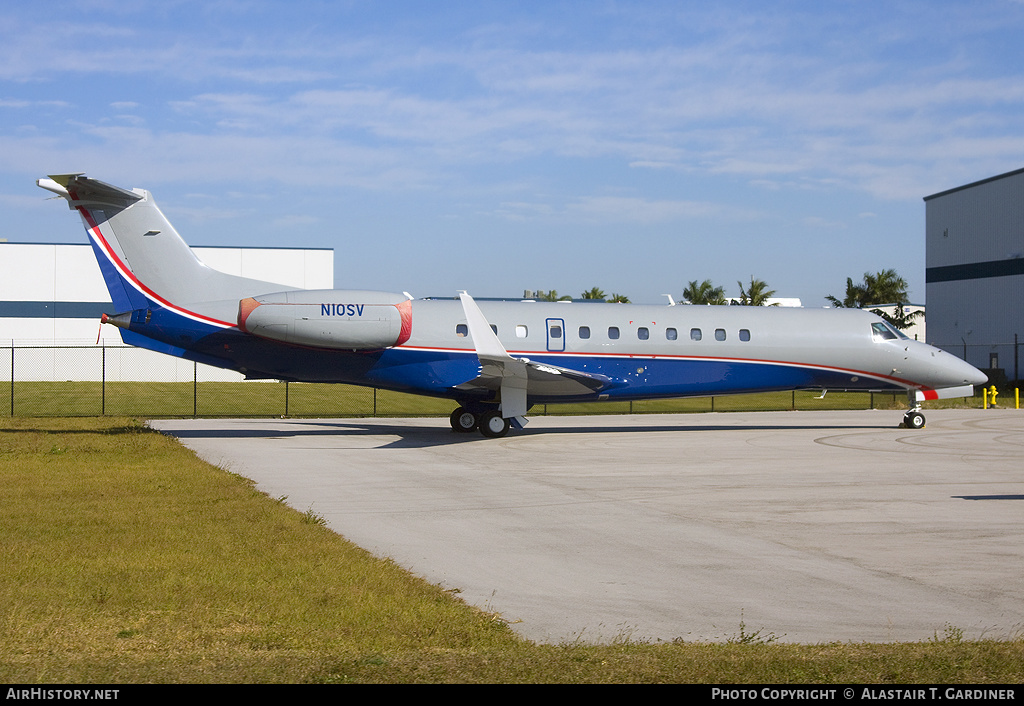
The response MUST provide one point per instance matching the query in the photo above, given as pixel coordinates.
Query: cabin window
(695, 334)
(461, 330)
(744, 334)
(584, 332)
(555, 331)
(671, 334)
(521, 331)
(643, 333)
(719, 334)
(613, 332)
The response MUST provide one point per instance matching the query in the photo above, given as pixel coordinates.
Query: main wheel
(914, 420)
(462, 420)
(493, 425)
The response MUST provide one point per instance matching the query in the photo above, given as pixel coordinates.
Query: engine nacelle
(329, 318)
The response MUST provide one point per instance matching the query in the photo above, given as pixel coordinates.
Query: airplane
(494, 359)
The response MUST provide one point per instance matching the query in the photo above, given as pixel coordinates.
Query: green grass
(275, 399)
(125, 559)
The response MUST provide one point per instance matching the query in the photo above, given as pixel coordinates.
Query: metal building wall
(974, 243)
(51, 295)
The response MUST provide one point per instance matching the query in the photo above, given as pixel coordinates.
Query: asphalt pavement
(797, 526)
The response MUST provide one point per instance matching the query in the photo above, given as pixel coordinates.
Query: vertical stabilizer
(143, 259)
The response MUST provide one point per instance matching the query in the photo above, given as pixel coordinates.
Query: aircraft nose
(978, 377)
(965, 373)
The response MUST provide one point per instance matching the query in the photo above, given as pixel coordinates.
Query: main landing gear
(490, 423)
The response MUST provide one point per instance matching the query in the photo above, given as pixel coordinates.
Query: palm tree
(884, 287)
(593, 293)
(704, 293)
(855, 296)
(552, 296)
(757, 295)
(619, 299)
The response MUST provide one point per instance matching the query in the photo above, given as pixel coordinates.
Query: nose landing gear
(914, 418)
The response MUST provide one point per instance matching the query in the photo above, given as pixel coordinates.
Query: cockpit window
(884, 331)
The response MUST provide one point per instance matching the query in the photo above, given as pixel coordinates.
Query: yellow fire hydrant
(989, 393)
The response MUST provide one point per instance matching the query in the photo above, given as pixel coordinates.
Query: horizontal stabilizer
(82, 191)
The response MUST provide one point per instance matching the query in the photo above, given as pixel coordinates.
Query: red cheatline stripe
(94, 230)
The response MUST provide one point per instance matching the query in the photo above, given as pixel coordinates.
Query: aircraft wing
(541, 378)
(514, 378)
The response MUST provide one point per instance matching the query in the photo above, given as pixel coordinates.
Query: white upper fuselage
(839, 339)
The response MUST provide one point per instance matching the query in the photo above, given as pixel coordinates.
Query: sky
(501, 146)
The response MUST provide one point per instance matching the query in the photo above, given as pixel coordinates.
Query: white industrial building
(52, 295)
(974, 236)
(918, 329)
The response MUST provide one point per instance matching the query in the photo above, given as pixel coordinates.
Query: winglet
(485, 340)
(497, 362)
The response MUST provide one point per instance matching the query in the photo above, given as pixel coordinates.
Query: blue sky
(503, 146)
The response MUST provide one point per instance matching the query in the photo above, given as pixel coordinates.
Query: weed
(758, 637)
(950, 633)
(313, 518)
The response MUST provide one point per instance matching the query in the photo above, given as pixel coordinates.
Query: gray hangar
(974, 237)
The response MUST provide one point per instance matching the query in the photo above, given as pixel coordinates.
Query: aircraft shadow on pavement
(413, 436)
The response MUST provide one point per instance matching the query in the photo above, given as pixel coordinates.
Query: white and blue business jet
(494, 359)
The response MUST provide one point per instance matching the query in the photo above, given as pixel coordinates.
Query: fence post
(286, 398)
(195, 389)
(103, 381)
(12, 378)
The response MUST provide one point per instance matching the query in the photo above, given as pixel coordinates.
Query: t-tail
(167, 300)
(144, 261)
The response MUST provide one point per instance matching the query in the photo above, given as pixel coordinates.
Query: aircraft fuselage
(495, 358)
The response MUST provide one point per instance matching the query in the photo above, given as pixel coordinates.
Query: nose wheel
(913, 419)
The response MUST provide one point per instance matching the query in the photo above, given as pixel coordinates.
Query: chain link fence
(1000, 361)
(44, 381)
